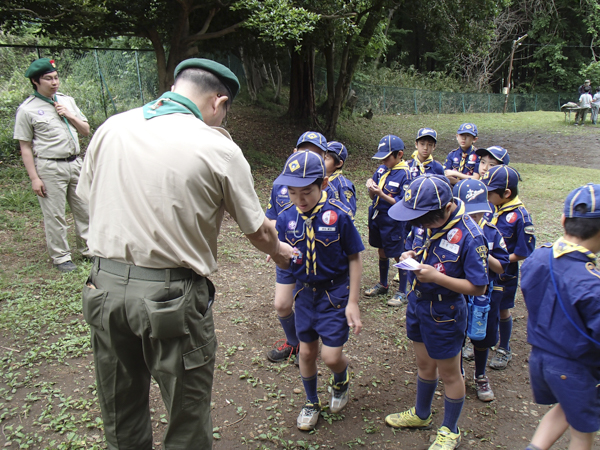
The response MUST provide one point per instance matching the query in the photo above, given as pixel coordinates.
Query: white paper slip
(408, 264)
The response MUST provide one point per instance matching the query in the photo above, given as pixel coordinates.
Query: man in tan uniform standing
(158, 180)
(46, 126)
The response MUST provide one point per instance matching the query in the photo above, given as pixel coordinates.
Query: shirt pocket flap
(327, 241)
(445, 256)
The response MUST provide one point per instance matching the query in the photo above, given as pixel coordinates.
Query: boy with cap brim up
(422, 161)
(473, 193)
(46, 126)
(386, 188)
(450, 261)
(327, 270)
(490, 157)
(514, 223)
(284, 349)
(561, 287)
(463, 162)
(335, 158)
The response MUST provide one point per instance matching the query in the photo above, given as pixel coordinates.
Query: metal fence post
(463, 102)
(515, 102)
(137, 65)
(558, 102)
(38, 52)
(384, 105)
(489, 100)
(440, 102)
(535, 107)
(415, 96)
(101, 84)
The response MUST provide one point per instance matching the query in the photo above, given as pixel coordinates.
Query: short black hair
(206, 81)
(580, 227)
(395, 154)
(427, 139)
(336, 158)
(430, 217)
(318, 182)
(514, 191)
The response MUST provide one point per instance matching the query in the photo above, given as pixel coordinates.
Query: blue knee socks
(452, 410)
(505, 332)
(481, 357)
(289, 328)
(384, 267)
(425, 392)
(403, 275)
(310, 387)
(340, 377)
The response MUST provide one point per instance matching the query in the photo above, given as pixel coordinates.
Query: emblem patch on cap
(294, 165)
(472, 195)
(312, 136)
(329, 217)
(408, 195)
(454, 235)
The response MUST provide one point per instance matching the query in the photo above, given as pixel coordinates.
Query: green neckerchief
(170, 103)
(52, 101)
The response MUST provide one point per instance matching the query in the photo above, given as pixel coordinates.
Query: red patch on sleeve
(511, 217)
(454, 235)
(329, 217)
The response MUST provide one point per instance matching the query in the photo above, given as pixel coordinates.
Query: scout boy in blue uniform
(335, 158)
(490, 157)
(284, 287)
(514, 223)
(387, 187)
(422, 161)
(561, 287)
(452, 255)
(473, 194)
(463, 162)
(327, 270)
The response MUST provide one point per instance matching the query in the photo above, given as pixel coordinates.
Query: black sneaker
(282, 351)
(66, 267)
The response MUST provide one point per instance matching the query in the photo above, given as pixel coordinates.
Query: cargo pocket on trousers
(93, 306)
(167, 318)
(198, 375)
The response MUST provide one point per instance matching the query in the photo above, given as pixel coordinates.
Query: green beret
(39, 67)
(226, 76)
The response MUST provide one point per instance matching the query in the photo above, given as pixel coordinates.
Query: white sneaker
(308, 417)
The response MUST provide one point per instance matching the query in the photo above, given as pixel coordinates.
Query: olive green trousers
(159, 323)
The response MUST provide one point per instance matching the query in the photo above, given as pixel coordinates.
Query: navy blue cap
(338, 148)
(588, 195)
(427, 132)
(501, 177)
(467, 128)
(387, 145)
(496, 152)
(473, 194)
(425, 193)
(313, 137)
(301, 169)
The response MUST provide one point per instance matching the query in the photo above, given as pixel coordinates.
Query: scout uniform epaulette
(338, 204)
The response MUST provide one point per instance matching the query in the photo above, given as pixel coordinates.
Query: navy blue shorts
(510, 284)
(570, 383)
(387, 233)
(284, 276)
(491, 331)
(321, 313)
(440, 325)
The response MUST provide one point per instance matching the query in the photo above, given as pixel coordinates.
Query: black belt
(327, 283)
(144, 273)
(423, 296)
(68, 159)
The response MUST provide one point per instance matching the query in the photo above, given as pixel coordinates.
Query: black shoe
(66, 267)
(282, 352)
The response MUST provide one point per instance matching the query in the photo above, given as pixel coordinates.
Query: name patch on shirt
(394, 184)
(326, 228)
(454, 248)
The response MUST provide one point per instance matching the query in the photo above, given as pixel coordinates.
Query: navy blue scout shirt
(579, 285)
(345, 190)
(336, 237)
(430, 167)
(467, 163)
(394, 186)
(280, 200)
(496, 247)
(460, 253)
(514, 223)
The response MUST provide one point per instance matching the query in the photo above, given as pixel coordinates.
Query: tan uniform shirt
(157, 190)
(38, 122)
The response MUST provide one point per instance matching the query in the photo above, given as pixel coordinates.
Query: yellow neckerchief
(463, 158)
(562, 247)
(431, 239)
(381, 184)
(419, 164)
(506, 207)
(311, 252)
(335, 174)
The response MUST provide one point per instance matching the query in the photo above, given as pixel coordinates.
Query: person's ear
(325, 183)
(562, 220)
(475, 139)
(220, 100)
(507, 193)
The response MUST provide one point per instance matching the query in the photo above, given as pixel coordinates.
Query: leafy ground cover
(47, 386)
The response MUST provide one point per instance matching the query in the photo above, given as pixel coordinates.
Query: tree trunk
(302, 86)
(277, 98)
(353, 52)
